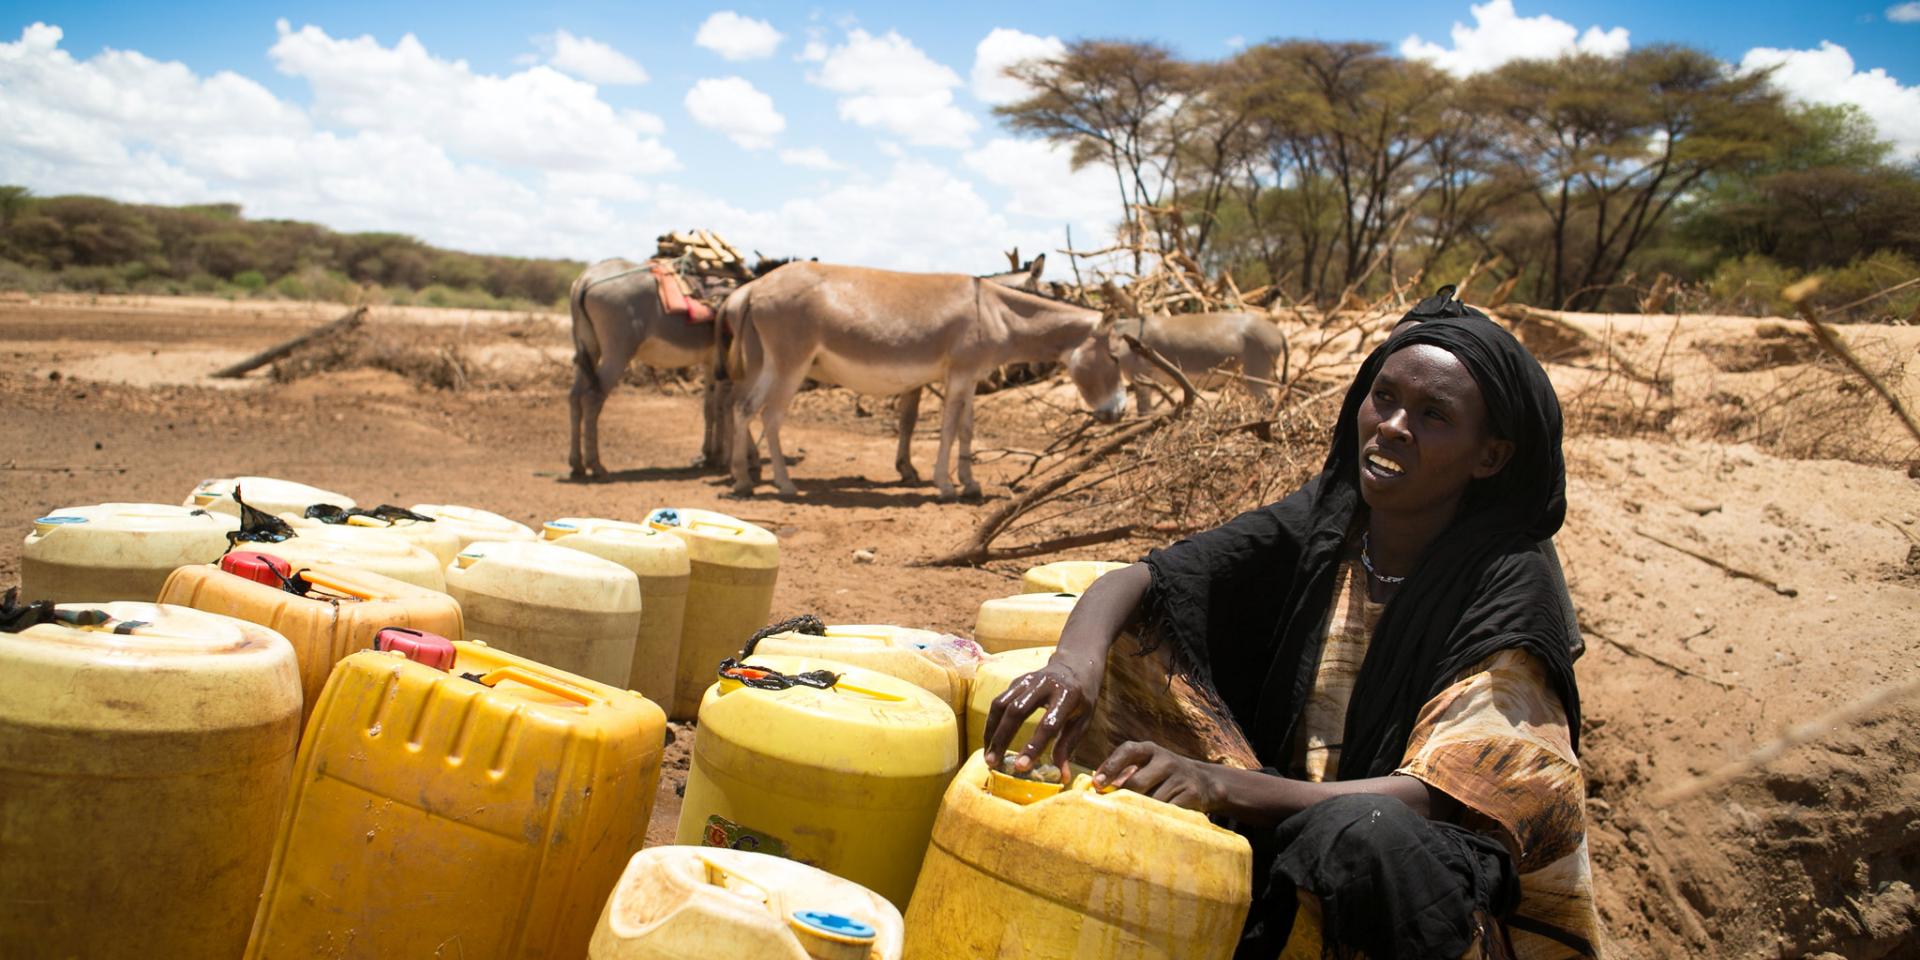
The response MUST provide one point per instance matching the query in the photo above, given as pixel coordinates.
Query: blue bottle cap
(837, 925)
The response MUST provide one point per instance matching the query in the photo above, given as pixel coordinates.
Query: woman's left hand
(1160, 773)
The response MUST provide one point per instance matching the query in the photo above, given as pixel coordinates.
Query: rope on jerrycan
(763, 678)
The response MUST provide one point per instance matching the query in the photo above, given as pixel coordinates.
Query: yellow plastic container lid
(221, 673)
(1066, 576)
(472, 524)
(117, 551)
(991, 680)
(719, 539)
(1022, 620)
(444, 544)
(375, 551)
(644, 549)
(919, 657)
(262, 493)
(565, 608)
(705, 903)
(547, 575)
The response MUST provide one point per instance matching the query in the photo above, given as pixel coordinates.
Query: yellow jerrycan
(1024, 869)
(991, 680)
(1066, 576)
(144, 754)
(845, 777)
(359, 548)
(570, 610)
(733, 566)
(262, 493)
(428, 535)
(339, 615)
(116, 551)
(1022, 620)
(472, 524)
(703, 903)
(483, 811)
(659, 560)
(940, 665)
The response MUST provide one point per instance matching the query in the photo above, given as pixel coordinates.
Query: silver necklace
(1367, 561)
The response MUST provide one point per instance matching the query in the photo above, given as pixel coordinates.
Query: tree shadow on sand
(854, 491)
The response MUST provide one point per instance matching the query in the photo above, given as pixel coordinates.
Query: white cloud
(921, 217)
(889, 83)
(1040, 177)
(735, 37)
(1002, 48)
(1236, 42)
(734, 107)
(643, 122)
(537, 117)
(815, 51)
(810, 157)
(591, 60)
(1904, 12)
(1827, 75)
(1499, 35)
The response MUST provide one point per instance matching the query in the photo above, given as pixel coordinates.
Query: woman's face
(1424, 433)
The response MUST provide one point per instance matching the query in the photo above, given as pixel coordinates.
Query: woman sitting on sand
(1371, 678)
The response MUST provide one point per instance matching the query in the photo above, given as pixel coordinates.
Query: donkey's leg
(909, 415)
(949, 431)
(964, 441)
(746, 403)
(576, 462)
(779, 398)
(605, 376)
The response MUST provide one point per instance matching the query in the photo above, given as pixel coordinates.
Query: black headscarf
(1246, 604)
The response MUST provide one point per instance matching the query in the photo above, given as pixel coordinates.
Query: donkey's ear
(1038, 266)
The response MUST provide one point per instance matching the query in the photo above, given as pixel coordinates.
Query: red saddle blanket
(673, 293)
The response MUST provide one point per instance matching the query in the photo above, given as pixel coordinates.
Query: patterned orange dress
(1496, 740)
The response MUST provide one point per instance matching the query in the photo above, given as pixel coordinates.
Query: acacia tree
(1608, 147)
(1111, 102)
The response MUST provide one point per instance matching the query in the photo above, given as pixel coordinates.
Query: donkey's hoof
(738, 493)
(909, 475)
(971, 493)
(945, 495)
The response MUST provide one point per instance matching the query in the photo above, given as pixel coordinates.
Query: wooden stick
(346, 322)
(1794, 736)
(1722, 566)
(1831, 342)
(1634, 651)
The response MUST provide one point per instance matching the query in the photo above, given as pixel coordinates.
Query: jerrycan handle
(541, 682)
(724, 877)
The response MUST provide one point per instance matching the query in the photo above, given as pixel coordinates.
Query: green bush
(291, 288)
(1750, 285)
(250, 281)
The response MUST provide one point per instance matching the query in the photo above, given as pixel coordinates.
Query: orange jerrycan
(472, 524)
(659, 560)
(144, 754)
(116, 551)
(938, 664)
(565, 608)
(339, 613)
(991, 680)
(733, 567)
(702, 903)
(482, 811)
(842, 769)
(1066, 576)
(361, 548)
(262, 493)
(1022, 620)
(1023, 869)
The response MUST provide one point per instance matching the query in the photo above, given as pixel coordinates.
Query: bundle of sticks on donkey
(879, 333)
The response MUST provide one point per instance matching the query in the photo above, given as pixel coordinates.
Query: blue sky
(860, 133)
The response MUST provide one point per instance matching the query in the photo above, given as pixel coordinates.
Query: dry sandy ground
(1814, 851)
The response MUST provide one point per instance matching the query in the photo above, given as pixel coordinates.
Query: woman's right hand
(1066, 693)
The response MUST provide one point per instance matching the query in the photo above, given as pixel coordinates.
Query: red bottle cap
(258, 567)
(419, 646)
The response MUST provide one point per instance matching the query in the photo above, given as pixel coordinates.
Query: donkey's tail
(586, 345)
